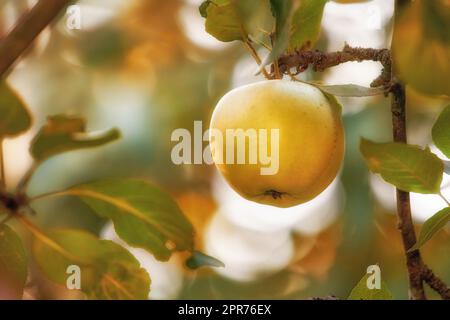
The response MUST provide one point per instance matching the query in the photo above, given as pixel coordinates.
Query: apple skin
(350, 1)
(311, 140)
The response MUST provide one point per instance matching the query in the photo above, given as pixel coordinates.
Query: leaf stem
(418, 273)
(276, 69)
(320, 61)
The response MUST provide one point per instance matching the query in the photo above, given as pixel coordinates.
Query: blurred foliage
(362, 292)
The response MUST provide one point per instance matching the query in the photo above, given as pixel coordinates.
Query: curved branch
(414, 262)
(29, 26)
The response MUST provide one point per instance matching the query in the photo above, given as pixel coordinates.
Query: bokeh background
(148, 67)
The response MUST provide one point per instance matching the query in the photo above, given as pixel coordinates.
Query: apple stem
(436, 283)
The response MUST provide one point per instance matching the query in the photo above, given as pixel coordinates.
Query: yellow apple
(308, 149)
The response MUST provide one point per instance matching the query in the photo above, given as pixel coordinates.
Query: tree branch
(414, 262)
(29, 26)
(301, 60)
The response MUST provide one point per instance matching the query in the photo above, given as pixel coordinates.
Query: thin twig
(444, 198)
(256, 57)
(29, 26)
(2, 168)
(277, 73)
(414, 262)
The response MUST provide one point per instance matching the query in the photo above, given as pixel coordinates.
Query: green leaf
(255, 16)
(362, 292)
(306, 24)
(350, 1)
(281, 10)
(14, 118)
(407, 167)
(223, 20)
(62, 134)
(421, 46)
(143, 215)
(441, 132)
(432, 226)
(107, 270)
(349, 90)
(199, 259)
(13, 264)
